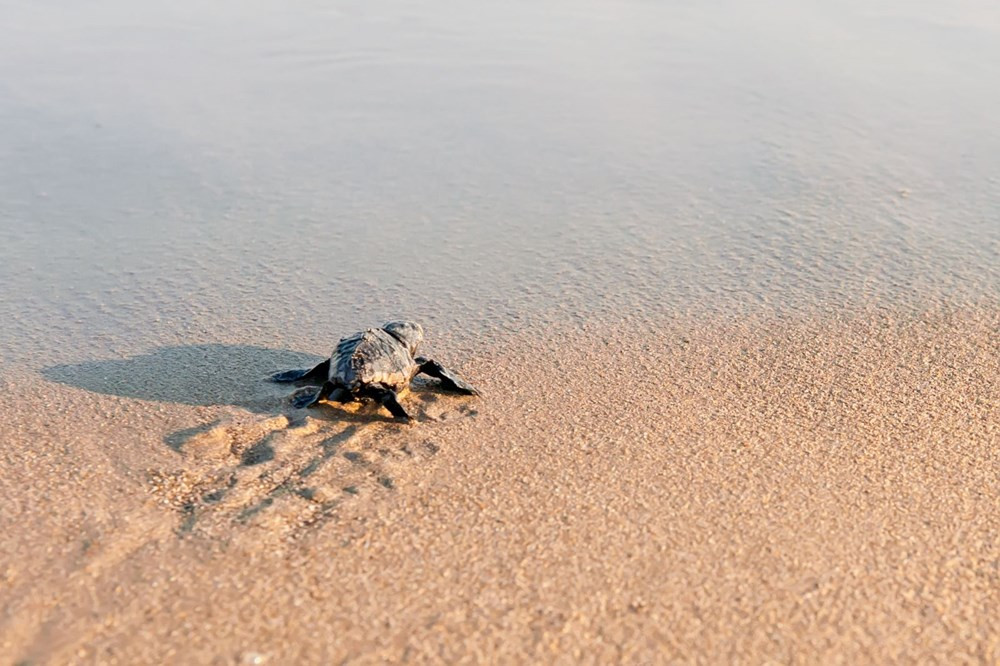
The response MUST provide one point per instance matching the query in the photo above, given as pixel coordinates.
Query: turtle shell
(371, 357)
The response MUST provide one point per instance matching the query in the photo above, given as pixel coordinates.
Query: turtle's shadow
(209, 374)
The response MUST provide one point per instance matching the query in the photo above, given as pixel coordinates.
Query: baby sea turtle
(375, 364)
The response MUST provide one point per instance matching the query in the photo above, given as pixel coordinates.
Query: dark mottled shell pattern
(371, 357)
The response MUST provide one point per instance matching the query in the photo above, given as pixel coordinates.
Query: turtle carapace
(375, 364)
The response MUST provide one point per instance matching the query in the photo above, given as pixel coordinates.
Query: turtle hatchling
(372, 365)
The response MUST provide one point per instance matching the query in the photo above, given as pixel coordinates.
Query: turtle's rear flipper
(320, 374)
(309, 397)
(306, 397)
(389, 400)
(449, 380)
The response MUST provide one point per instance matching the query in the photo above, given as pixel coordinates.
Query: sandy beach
(727, 275)
(818, 490)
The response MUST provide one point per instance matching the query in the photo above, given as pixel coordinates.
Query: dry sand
(774, 489)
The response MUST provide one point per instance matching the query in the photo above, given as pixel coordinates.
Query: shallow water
(272, 172)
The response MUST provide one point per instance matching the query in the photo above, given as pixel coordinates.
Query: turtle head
(409, 333)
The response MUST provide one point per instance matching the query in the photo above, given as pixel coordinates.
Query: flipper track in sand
(289, 474)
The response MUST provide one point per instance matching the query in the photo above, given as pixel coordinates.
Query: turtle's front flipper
(449, 380)
(389, 400)
(311, 396)
(318, 374)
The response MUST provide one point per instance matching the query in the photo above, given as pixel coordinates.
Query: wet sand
(818, 489)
